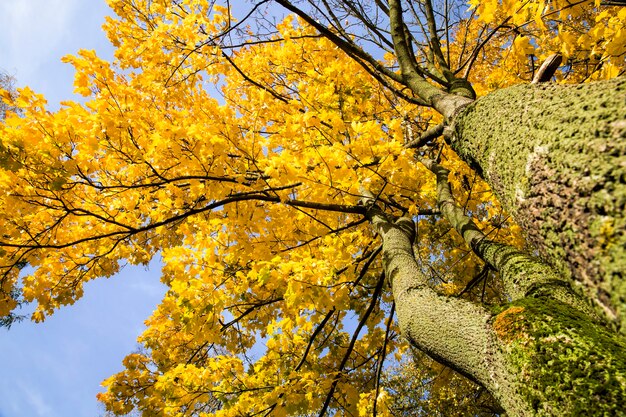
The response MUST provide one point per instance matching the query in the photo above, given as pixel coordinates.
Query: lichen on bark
(547, 335)
(558, 164)
(567, 364)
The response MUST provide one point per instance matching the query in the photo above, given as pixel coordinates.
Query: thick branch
(455, 332)
(523, 275)
(446, 104)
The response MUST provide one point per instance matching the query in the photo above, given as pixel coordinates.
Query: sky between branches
(54, 369)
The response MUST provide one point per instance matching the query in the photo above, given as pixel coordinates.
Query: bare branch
(547, 69)
(429, 135)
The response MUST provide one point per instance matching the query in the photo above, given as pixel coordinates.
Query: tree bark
(522, 274)
(537, 356)
(455, 332)
(560, 361)
(556, 158)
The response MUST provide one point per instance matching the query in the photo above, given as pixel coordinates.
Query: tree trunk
(556, 158)
(561, 362)
(537, 356)
(545, 353)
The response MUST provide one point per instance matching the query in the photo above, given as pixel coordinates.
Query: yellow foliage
(205, 156)
(524, 33)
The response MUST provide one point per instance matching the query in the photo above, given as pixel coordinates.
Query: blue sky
(54, 369)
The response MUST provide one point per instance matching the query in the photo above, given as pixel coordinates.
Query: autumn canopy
(311, 172)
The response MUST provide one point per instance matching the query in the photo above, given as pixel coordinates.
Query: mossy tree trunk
(556, 158)
(537, 355)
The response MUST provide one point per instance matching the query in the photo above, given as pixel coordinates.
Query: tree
(329, 190)
(6, 83)
(421, 387)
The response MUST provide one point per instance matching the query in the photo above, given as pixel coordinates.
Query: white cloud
(54, 369)
(33, 30)
(35, 400)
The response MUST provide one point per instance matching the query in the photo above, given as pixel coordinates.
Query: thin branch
(476, 52)
(355, 336)
(317, 330)
(254, 195)
(379, 367)
(386, 76)
(367, 264)
(327, 207)
(429, 135)
(476, 280)
(348, 47)
(435, 44)
(251, 81)
(339, 229)
(248, 311)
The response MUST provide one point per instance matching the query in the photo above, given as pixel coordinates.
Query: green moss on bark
(567, 364)
(556, 158)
